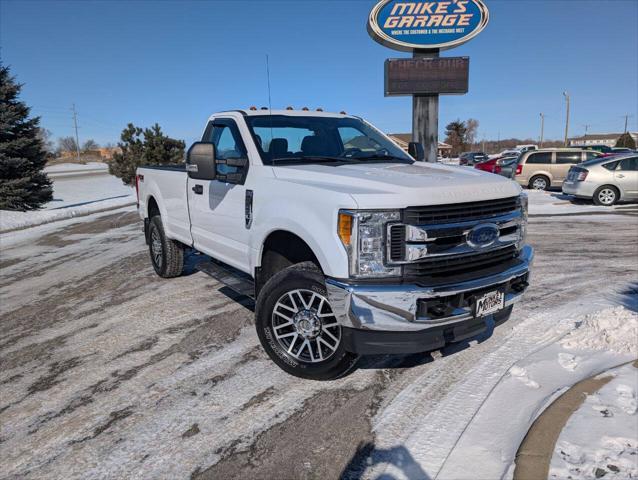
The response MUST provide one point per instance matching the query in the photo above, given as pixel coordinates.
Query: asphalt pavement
(109, 371)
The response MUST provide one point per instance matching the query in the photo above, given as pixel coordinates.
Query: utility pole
(542, 129)
(586, 128)
(77, 138)
(566, 95)
(627, 117)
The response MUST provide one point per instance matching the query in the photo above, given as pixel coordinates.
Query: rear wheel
(539, 182)
(167, 256)
(297, 326)
(606, 196)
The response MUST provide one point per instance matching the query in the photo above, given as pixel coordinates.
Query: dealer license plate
(490, 303)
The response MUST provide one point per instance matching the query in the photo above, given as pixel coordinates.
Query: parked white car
(348, 244)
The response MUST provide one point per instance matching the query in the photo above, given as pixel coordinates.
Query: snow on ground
(556, 203)
(476, 431)
(489, 443)
(77, 190)
(601, 437)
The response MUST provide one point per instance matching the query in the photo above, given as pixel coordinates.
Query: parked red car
(504, 166)
(489, 165)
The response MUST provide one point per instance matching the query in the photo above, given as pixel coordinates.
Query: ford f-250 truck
(347, 244)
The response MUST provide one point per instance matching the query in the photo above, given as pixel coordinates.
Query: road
(109, 371)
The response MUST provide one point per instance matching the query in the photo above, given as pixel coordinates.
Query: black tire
(301, 279)
(537, 182)
(606, 196)
(167, 256)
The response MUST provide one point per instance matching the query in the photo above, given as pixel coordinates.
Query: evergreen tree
(23, 184)
(144, 147)
(626, 141)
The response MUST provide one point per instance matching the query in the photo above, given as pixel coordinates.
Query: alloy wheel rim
(607, 196)
(156, 248)
(539, 184)
(305, 326)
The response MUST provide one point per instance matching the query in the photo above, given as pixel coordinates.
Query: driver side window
(228, 144)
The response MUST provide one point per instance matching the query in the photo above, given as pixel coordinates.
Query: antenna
(269, 100)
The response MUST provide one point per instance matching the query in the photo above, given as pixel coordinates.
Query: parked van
(542, 169)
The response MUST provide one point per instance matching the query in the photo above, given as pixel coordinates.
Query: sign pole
(425, 116)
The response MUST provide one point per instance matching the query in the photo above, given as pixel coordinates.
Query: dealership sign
(428, 25)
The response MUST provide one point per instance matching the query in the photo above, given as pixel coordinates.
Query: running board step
(237, 281)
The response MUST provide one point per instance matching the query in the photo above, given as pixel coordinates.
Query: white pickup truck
(347, 244)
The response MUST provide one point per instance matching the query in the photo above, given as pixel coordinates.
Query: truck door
(217, 207)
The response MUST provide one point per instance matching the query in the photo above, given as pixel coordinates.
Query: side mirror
(416, 151)
(200, 161)
(231, 170)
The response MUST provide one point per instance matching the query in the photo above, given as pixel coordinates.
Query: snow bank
(601, 437)
(10, 221)
(77, 190)
(75, 168)
(613, 329)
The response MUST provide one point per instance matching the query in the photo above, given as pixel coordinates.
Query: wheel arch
(280, 249)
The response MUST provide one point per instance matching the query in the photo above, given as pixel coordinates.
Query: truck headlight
(363, 235)
(524, 203)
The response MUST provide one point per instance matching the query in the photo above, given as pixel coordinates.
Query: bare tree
(45, 137)
(90, 144)
(471, 128)
(67, 144)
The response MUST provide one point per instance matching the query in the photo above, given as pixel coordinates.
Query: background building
(403, 139)
(608, 139)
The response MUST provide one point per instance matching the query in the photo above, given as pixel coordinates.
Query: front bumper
(421, 310)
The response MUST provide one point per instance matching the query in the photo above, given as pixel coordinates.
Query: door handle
(198, 189)
(620, 175)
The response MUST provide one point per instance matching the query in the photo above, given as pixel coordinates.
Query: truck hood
(383, 185)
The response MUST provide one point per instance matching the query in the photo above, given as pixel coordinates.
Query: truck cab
(348, 245)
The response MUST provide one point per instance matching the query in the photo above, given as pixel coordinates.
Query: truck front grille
(437, 268)
(456, 212)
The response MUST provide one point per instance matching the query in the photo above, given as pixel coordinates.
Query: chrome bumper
(395, 307)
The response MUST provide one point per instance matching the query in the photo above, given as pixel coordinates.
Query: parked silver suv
(604, 180)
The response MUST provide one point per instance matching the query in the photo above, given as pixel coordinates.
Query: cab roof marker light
(319, 109)
(253, 108)
(305, 109)
(289, 108)
(343, 112)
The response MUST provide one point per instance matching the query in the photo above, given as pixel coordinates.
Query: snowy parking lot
(110, 371)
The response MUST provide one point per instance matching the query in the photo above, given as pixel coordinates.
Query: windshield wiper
(391, 158)
(312, 159)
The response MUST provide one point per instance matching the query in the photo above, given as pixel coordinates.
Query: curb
(537, 448)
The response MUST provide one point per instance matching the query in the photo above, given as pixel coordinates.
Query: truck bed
(165, 185)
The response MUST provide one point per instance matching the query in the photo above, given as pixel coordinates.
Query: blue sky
(175, 63)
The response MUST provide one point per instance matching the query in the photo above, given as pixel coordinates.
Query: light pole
(542, 128)
(566, 95)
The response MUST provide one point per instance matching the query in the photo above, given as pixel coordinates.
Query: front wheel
(606, 196)
(297, 326)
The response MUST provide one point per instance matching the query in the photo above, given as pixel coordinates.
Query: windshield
(293, 139)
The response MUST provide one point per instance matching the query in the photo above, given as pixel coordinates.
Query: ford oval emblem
(483, 235)
(434, 24)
